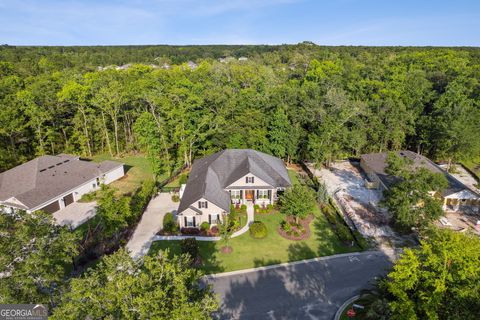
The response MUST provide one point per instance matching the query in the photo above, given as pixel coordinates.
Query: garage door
(68, 199)
(51, 208)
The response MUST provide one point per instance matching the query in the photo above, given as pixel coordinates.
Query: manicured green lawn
(274, 249)
(137, 170)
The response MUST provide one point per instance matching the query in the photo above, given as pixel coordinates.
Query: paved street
(151, 223)
(312, 290)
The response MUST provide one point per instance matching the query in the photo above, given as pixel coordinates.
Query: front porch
(260, 196)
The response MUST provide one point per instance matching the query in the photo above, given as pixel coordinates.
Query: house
(456, 196)
(232, 176)
(50, 183)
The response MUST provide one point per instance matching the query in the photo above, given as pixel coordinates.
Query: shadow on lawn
(210, 263)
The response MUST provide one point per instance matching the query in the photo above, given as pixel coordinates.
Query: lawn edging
(287, 264)
(340, 310)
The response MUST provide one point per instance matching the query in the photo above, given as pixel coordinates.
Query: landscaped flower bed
(292, 230)
(264, 209)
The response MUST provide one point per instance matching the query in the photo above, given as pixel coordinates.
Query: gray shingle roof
(212, 174)
(378, 163)
(47, 177)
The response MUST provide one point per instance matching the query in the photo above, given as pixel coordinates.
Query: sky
(177, 22)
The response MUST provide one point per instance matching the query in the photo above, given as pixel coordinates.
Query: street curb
(342, 307)
(286, 264)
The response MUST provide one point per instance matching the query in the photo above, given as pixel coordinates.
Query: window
(214, 218)
(250, 179)
(262, 194)
(190, 222)
(202, 204)
(235, 194)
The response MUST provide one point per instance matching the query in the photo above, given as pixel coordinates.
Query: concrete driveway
(75, 214)
(150, 224)
(305, 290)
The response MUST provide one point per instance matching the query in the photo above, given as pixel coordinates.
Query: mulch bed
(226, 250)
(305, 224)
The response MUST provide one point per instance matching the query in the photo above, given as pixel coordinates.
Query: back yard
(137, 170)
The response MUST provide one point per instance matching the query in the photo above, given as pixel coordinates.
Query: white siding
(257, 182)
(113, 175)
(86, 188)
(212, 209)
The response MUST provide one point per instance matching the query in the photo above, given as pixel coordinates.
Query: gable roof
(212, 174)
(377, 162)
(47, 177)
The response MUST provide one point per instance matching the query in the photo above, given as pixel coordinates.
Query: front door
(249, 195)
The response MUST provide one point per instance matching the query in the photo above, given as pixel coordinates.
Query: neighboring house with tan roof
(454, 197)
(51, 183)
(232, 176)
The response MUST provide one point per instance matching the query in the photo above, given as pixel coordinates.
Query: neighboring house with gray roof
(454, 196)
(50, 183)
(232, 176)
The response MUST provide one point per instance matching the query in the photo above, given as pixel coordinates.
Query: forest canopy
(295, 101)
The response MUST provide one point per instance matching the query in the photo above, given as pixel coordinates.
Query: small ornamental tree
(225, 230)
(297, 202)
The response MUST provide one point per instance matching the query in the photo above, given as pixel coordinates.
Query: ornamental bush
(258, 230)
(169, 223)
(205, 226)
(175, 198)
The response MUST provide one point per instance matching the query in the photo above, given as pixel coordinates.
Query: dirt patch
(302, 234)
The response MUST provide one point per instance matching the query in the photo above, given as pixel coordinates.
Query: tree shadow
(312, 290)
(263, 263)
(208, 253)
(126, 168)
(300, 251)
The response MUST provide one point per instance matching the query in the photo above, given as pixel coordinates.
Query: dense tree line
(301, 101)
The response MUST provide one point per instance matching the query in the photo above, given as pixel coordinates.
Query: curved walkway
(250, 218)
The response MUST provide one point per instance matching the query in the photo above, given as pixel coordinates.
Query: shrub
(175, 198)
(258, 230)
(214, 230)
(256, 206)
(190, 231)
(243, 207)
(169, 223)
(270, 206)
(287, 227)
(329, 213)
(344, 233)
(205, 226)
(89, 197)
(190, 246)
(361, 241)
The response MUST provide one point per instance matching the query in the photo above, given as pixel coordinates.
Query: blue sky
(334, 22)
